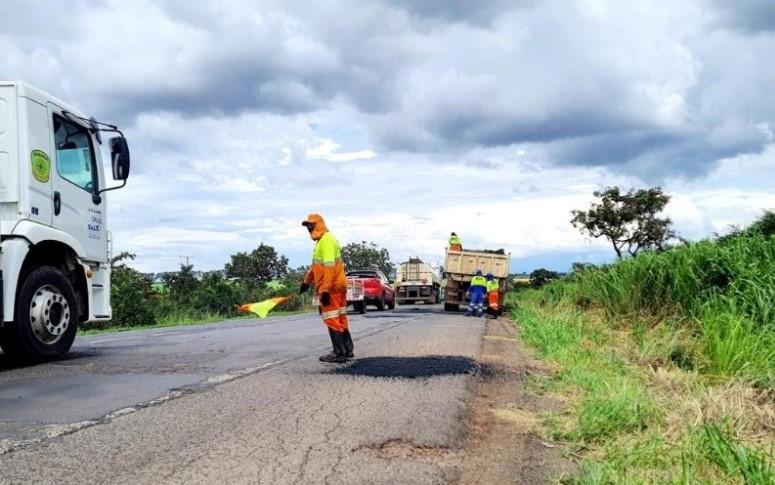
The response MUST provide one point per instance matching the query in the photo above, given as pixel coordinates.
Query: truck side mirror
(119, 157)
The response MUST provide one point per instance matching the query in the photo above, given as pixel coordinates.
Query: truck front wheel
(46, 317)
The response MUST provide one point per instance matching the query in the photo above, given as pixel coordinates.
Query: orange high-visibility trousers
(493, 298)
(335, 314)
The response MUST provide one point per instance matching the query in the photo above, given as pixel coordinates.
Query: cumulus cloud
(402, 119)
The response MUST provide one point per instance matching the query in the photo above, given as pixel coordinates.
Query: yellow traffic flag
(262, 308)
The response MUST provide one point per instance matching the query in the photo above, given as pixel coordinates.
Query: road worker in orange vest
(493, 295)
(327, 275)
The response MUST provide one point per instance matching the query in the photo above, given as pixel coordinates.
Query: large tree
(365, 255)
(261, 265)
(628, 220)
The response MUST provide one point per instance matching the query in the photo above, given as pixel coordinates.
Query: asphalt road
(245, 402)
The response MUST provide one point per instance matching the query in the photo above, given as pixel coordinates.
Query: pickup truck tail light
(371, 283)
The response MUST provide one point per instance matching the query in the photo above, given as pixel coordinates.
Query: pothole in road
(410, 367)
(399, 448)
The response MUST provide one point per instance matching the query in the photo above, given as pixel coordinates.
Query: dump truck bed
(461, 266)
(467, 262)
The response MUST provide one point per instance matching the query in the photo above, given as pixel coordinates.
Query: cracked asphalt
(246, 402)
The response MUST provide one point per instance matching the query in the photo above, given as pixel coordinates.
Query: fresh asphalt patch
(410, 367)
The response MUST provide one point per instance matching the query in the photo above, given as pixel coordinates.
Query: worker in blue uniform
(477, 290)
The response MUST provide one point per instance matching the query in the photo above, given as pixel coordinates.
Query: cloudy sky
(401, 121)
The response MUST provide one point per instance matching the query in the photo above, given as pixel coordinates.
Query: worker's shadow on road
(410, 367)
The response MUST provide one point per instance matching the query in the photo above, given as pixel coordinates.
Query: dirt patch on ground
(504, 445)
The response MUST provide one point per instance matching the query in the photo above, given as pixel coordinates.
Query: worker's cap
(478, 272)
(453, 234)
(490, 276)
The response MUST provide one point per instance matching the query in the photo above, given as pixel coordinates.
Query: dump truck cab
(54, 243)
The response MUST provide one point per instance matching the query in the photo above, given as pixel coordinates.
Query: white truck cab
(54, 243)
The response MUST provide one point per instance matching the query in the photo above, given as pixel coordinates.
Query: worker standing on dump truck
(493, 295)
(477, 289)
(327, 274)
(455, 244)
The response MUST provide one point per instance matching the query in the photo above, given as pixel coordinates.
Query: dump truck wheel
(449, 307)
(46, 318)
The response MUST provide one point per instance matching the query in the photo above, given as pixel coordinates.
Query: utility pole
(187, 258)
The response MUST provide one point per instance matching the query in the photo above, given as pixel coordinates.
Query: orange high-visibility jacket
(327, 271)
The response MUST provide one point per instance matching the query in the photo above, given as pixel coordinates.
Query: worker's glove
(325, 299)
(303, 289)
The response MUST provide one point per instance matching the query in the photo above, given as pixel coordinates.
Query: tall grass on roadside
(614, 402)
(716, 445)
(625, 427)
(726, 291)
(736, 277)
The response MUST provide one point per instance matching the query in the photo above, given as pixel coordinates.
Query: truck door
(75, 180)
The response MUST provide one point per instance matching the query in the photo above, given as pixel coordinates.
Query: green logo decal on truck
(41, 166)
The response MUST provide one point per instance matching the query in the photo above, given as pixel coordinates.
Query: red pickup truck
(369, 287)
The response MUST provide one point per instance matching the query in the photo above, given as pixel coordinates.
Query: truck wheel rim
(49, 314)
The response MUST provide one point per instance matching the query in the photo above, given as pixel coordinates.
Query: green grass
(716, 445)
(614, 400)
(616, 421)
(182, 321)
(735, 346)
(722, 292)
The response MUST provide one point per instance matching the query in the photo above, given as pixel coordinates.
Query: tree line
(247, 277)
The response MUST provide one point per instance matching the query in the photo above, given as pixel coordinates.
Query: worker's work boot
(332, 354)
(338, 355)
(349, 346)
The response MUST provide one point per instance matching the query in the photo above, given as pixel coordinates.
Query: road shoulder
(504, 444)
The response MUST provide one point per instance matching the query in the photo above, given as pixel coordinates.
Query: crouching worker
(493, 296)
(327, 276)
(477, 289)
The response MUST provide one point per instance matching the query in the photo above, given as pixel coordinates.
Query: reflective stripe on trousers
(335, 314)
(477, 302)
